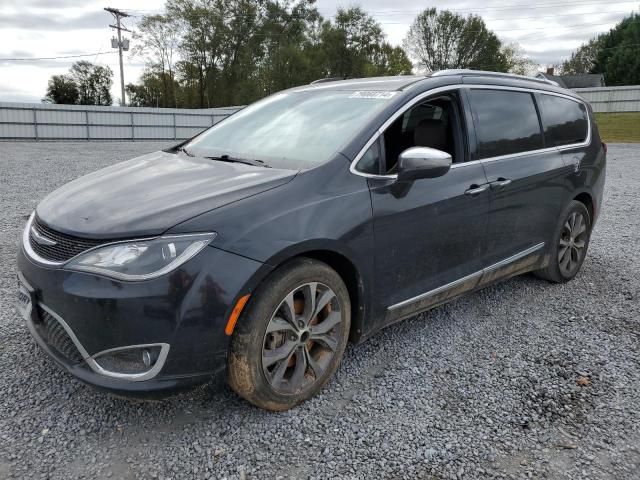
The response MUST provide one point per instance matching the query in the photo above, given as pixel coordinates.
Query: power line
(27, 59)
(519, 6)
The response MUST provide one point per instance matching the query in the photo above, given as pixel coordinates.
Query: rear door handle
(500, 183)
(475, 190)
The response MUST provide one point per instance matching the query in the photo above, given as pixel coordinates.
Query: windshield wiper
(247, 161)
(185, 151)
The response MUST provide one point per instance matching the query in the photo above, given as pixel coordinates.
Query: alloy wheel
(302, 337)
(573, 239)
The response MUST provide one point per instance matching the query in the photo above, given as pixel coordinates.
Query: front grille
(66, 246)
(55, 336)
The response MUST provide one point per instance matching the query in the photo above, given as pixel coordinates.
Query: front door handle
(475, 190)
(500, 183)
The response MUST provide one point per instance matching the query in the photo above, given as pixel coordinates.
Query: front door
(429, 233)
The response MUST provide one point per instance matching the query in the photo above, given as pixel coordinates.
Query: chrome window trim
(587, 141)
(447, 88)
(91, 359)
(479, 273)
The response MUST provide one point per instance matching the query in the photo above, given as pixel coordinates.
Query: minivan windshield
(294, 130)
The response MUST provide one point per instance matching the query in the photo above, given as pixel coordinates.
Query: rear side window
(506, 122)
(564, 121)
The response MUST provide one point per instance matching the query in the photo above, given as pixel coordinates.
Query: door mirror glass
(422, 162)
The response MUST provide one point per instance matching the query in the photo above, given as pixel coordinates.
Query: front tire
(569, 244)
(291, 336)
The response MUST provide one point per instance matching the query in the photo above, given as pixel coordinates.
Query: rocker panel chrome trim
(478, 274)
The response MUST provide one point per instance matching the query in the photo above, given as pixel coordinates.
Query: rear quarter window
(506, 122)
(564, 121)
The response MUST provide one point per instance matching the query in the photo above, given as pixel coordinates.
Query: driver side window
(434, 123)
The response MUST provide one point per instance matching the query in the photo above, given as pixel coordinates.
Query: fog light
(146, 357)
(128, 360)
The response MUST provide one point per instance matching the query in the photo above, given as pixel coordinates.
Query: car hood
(150, 194)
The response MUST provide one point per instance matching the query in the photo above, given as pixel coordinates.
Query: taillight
(604, 145)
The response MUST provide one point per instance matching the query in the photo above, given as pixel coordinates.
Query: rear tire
(569, 244)
(291, 336)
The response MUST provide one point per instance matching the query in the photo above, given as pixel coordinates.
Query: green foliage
(619, 55)
(93, 82)
(583, 59)
(86, 84)
(445, 40)
(516, 61)
(235, 51)
(61, 89)
(616, 54)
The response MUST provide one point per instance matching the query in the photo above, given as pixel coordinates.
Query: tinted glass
(370, 161)
(506, 122)
(294, 129)
(564, 121)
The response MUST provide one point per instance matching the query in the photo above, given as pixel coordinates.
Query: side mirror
(422, 162)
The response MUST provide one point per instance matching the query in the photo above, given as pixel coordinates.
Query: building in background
(583, 80)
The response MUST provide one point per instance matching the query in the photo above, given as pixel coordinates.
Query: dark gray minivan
(254, 251)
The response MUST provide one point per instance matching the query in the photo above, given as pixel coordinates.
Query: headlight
(141, 259)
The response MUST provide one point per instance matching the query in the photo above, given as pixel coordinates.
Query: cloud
(47, 4)
(47, 22)
(49, 28)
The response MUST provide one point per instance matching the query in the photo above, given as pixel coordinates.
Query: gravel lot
(485, 387)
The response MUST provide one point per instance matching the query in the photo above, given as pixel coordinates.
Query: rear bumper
(76, 316)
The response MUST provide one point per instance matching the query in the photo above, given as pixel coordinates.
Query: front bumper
(78, 315)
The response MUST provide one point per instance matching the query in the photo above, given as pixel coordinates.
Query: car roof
(404, 82)
(371, 83)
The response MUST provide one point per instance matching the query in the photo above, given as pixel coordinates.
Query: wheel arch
(344, 264)
(586, 199)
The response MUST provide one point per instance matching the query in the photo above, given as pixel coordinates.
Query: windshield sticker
(373, 94)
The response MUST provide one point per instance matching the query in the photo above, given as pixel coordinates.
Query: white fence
(33, 121)
(612, 99)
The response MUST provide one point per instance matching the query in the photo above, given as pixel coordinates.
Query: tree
(392, 61)
(583, 60)
(93, 82)
(233, 52)
(61, 89)
(85, 84)
(618, 55)
(516, 61)
(158, 38)
(447, 40)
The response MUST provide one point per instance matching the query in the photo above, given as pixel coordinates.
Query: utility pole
(120, 45)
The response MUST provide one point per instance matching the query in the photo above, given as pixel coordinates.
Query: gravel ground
(487, 386)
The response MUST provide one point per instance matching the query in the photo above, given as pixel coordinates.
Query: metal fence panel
(62, 131)
(155, 132)
(111, 132)
(152, 119)
(612, 99)
(17, 131)
(87, 122)
(196, 120)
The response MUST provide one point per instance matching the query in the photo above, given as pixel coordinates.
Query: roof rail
(330, 79)
(466, 71)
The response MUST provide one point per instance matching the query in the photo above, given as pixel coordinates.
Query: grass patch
(621, 127)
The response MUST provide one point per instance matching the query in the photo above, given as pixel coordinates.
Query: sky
(547, 30)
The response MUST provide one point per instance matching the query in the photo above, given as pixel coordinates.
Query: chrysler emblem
(41, 239)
